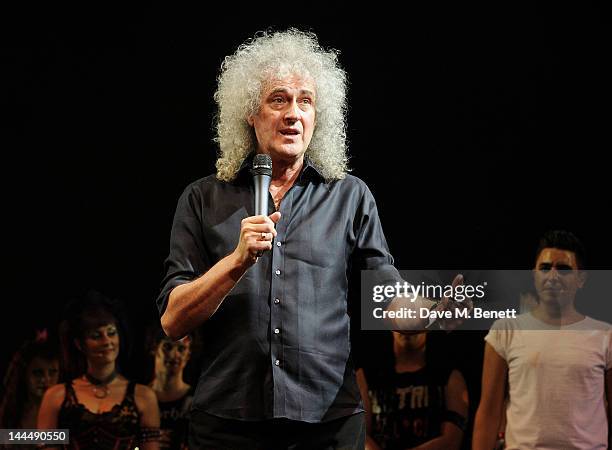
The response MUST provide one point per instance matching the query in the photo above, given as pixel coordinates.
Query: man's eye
(277, 100)
(563, 269)
(111, 331)
(37, 372)
(307, 101)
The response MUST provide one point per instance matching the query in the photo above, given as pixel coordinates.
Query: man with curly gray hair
(269, 292)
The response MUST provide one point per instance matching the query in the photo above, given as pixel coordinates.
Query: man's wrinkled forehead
(279, 81)
(555, 256)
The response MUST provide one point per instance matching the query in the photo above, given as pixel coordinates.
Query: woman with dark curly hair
(33, 369)
(101, 408)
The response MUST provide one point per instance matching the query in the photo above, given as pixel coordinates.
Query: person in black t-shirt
(413, 400)
(174, 395)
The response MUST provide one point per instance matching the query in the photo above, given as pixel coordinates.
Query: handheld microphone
(262, 175)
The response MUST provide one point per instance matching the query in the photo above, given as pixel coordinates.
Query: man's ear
(250, 120)
(77, 344)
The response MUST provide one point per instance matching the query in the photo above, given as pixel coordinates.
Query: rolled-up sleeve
(187, 259)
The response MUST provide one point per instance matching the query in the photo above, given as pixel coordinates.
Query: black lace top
(116, 429)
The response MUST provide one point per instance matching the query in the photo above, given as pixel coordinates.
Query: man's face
(285, 121)
(410, 340)
(557, 277)
(41, 374)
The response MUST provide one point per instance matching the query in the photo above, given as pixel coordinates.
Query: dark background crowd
(476, 127)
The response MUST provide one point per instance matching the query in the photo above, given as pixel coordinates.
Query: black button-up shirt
(278, 346)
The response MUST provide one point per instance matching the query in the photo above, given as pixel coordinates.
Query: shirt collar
(309, 168)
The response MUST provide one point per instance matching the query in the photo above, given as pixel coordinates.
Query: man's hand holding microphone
(257, 232)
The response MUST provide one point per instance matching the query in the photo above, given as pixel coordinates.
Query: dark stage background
(476, 128)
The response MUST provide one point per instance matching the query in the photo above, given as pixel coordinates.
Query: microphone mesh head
(262, 165)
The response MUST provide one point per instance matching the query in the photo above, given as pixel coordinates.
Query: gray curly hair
(240, 83)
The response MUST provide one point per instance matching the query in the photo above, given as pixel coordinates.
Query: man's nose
(553, 274)
(292, 114)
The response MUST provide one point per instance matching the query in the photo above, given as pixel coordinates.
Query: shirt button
(277, 272)
(276, 301)
(278, 244)
(276, 331)
(277, 362)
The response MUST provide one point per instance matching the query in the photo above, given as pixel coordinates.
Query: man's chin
(554, 300)
(287, 153)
